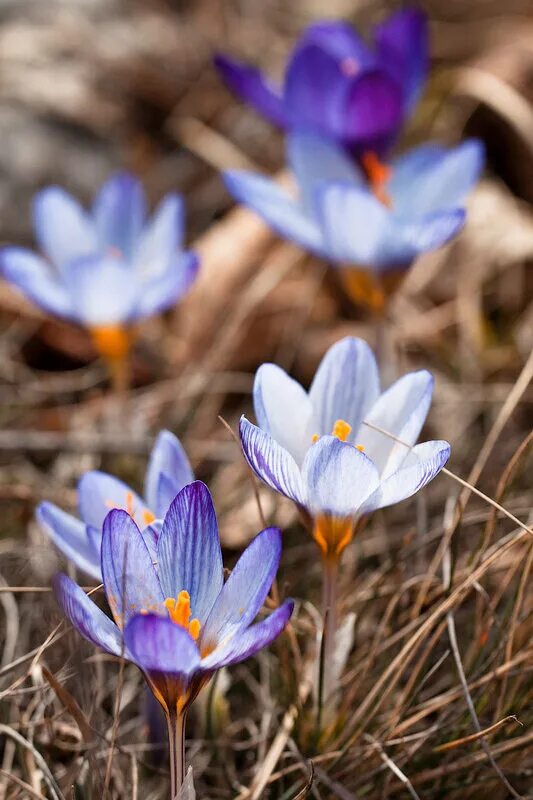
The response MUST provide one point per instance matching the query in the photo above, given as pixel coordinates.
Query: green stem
(176, 748)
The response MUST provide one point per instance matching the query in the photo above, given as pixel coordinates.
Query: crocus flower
(337, 85)
(105, 268)
(174, 617)
(373, 225)
(343, 449)
(80, 539)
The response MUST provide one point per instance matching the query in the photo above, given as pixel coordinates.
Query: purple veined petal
(429, 185)
(164, 650)
(86, 617)
(247, 642)
(338, 478)
(244, 593)
(70, 536)
(403, 48)
(251, 86)
(340, 41)
(99, 493)
(167, 458)
(345, 386)
(64, 230)
(271, 463)
(165, 290)
(371, 112)
(419, 468)
(102, 290)
(283, 410)
(314, 159)
(130, 580)
(401, 411)
(355, 224)
(34, 277)
(161, 238)
(276, 207)
(151, 537)
(188, 551)
(119, 211)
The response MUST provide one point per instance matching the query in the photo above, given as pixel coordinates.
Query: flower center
(341, 430)
(378, 174)
(332, 534)
(179, 611)
(111, 341)
(129, 507)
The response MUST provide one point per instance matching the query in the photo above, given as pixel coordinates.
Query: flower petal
(86, 617)
(435, 180)
(313, 159)
(283, 410)
(103, 290)
(188, 551)
(130, 580)
(161, 238)
(167, 458)
(401, 411)
(251, 86)
(355, 224)
(338, 478)
(119, 210)
(159, 645)
(402, 44)
(64, 230)
(34, 277)
(271, 463)
(345, 386)
(420, 467)
(276, 208)
(406, 240)
(70, 536)
(340, 41)
(248, 642)
(99, 493)
(372, 112)
(164, 290)
(245, 590)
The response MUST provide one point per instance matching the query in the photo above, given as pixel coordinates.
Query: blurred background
(91, 86)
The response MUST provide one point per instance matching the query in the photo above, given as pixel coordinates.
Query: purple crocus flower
(372, 226)
(345, 448)
(341, 87)
(105, 268)
(80, 539)
(174, 617)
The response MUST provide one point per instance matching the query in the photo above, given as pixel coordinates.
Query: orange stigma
(378, 175)
(179, 611)
(112, 342)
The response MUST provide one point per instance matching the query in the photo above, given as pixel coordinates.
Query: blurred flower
(337, 85)
(80, 539)
(174, 616)
(105, 268)
(375, 224)
(327, 449)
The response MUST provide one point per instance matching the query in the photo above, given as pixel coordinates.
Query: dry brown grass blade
(65, 697)
(442, 748)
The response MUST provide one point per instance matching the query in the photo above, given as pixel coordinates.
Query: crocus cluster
(343, 105)
(106, 268)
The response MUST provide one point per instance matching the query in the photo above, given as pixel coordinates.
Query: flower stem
(120, 374)
(329, 615)
(176, 747)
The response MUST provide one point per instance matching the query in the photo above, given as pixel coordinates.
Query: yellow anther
(129, 507)
(148, 517)
(360, 447)
(315, 437)
(179, 611)
(341, 430)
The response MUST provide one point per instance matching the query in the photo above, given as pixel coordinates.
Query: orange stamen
(360, 447)
(148, 517)
(378, 175)
(341, 430)
(179, 611)
(113, 342)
